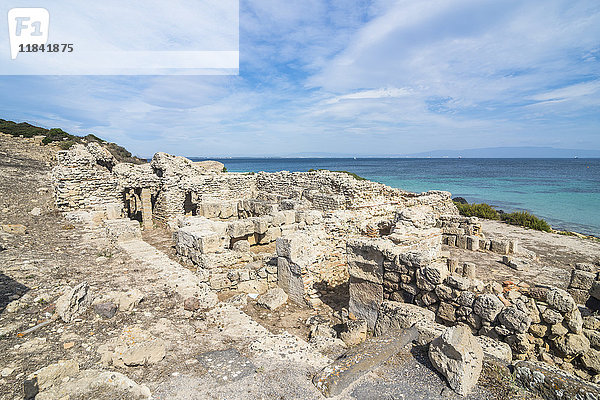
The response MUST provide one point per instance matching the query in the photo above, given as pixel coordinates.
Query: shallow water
(565, 192)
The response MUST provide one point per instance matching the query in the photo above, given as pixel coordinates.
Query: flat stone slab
(552, 383)
(226, 366)
(334, 378)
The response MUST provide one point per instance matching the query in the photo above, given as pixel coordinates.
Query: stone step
(336, 377)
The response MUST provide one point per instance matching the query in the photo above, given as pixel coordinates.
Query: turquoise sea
(565, 192)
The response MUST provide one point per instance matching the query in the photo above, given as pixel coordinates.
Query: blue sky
(358, 77)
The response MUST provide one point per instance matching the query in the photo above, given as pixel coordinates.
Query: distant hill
(65, 140)
(487, 152)
(510, 152)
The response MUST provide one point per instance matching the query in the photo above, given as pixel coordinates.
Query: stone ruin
(302, 230)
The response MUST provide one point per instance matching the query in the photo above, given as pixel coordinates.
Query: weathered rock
(191, 304)
(572, 345)
(574, 321)
(552, 316)
(458, 356)
(539, 330)
(394, 315)
(365, 299)
(106, 310)
(560, 300)
(88, 383)
(520, 343)
(322, 330)
(46, 377)
(14, 229)
(495, 349)
(487, 306)
(591, 360)
(127, 301)
(355, 332)
(73, 302)
(447, 312)
(135, 346)
(334, 378)
(272, 299)
(436, 272)
(593, 336)
(582, 279)
(549, 382)
(514, 319)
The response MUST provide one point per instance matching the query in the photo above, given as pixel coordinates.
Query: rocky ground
(556, 255)
(55, 253)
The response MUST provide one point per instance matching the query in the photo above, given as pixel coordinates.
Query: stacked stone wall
(539, 323)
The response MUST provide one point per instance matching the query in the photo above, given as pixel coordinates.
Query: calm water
(565, 192)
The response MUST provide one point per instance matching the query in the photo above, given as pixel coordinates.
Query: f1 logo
(27, 26)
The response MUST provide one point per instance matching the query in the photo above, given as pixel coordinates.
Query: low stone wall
(537, 322)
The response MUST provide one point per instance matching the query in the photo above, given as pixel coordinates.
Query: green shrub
(224, 169)
(523, 218)
(477, 210)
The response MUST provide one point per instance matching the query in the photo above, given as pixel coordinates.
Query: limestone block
(500, 246)
(122, 230)
(240, 228)
(365, 299)
(270, 235)
(290, 280)
(458, 356)
(365, 260)
(395, 315)
(493, 348)
(473, 243)
(272, 299)
(296, 247)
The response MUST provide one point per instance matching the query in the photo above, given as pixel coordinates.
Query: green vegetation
(478, 210)
(224, 169)
(521, 218)
(65, 140)
(352, 174)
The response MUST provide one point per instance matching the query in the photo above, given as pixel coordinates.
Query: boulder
(458, 356)
(582, 279)
(73, 302)
(560, 300)
(395, 315)
(574, 321)
(514, 319)
(572, 345)
(487, 306)
(272, 299)
(552, 316)
(46, 377)
(135, 346)
(591, 360)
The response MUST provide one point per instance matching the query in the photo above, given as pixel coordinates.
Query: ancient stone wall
(83, 178)
(537, 322)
